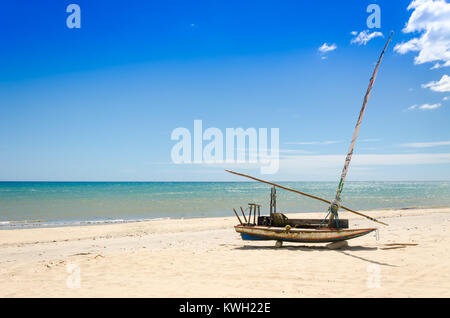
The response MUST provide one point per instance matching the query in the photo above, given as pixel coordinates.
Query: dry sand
(207, 258)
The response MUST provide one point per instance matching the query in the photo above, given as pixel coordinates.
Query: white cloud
(333, 163)
(364, 36)
(370, 140)
(443, 85)
(325, 48)
(426, 144)
(432, 20)
(445, 98)
(424, 106)
(435, 66)
(296, 152)
(327, 142)
(428, 106)
(336, 161)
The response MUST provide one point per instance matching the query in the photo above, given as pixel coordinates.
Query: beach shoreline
(43, 224)
(205, 257)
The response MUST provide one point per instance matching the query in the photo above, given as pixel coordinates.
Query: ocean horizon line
(23, 224)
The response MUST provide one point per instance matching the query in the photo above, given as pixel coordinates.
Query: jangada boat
(278, 227)
(320, 235)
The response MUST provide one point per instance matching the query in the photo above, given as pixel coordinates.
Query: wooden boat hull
(299, 235)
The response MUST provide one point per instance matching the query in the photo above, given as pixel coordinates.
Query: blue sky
(100, 102)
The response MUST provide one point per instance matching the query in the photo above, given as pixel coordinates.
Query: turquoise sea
(67, 203)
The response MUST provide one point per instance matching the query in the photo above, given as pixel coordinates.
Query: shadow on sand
(307, 248)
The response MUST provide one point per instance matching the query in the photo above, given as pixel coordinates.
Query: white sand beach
(207, 258)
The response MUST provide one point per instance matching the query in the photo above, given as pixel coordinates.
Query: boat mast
(335, 204)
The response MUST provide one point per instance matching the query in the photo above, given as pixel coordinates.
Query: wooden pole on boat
(358, 123)
(277, 185)
(305, 194)
(271, 200)
(259, 213)
(243, 214)
(334, 206)
(238, 216)
(249, 213)
(274, 200)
